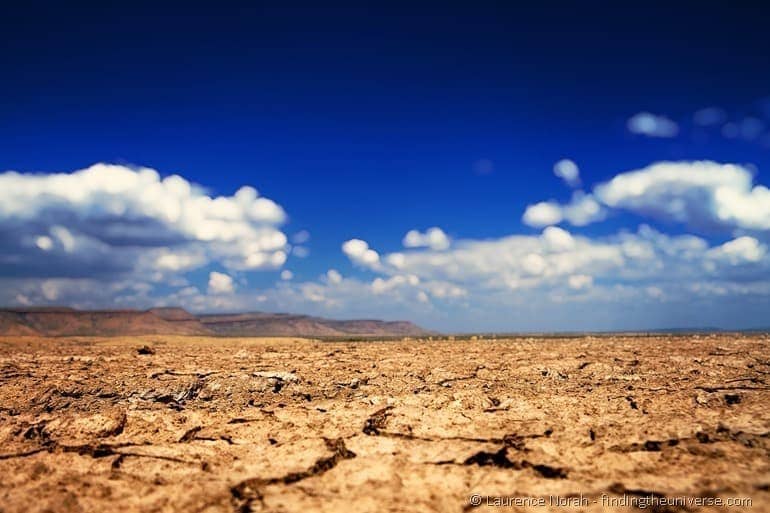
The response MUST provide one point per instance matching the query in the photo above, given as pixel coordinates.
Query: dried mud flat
(224, 425)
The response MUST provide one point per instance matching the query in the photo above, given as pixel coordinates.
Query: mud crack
(720, 434)
(500, 459)
(246, 492)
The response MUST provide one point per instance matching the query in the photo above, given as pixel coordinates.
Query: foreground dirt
(223, 425)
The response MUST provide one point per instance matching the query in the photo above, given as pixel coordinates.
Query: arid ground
(197, 424)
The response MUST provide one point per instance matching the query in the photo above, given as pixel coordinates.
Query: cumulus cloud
(433, 238)
(702, 194)
(512, 262)
(220, 283)
(113, 219)
(552, 280)
(652, 125)
(738, 251)
(580, 281)
(106, 249)
(333, 277)
(583, 209)
(557, 239)
(568, 171)
(542, 214)
(113, 235)
(380, 285)
(359, 253)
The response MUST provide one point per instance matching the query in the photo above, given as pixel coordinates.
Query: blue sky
(369, 121)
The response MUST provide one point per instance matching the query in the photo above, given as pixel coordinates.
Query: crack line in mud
(249, 490)
(190, 434)
(22, 454)
(722, 388)
(500, 459)
(377, 421)
(99, 450)
(720, 434)
(103, 450)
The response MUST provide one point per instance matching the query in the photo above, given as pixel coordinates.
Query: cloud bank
(121, 224)
(121, 236)
(702, 195)
(112, 218)
(556, 280)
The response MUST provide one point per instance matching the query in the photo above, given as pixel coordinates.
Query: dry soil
(223, 425)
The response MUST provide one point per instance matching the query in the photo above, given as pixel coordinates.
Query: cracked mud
(161, 424)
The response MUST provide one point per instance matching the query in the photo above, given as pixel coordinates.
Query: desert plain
(206, 424)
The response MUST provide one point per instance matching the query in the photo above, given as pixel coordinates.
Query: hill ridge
(66, 321)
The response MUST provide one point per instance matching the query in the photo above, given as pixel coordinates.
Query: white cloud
(50, 290)
(333, 277)
(65, 238)
(553, 280)
(557, 239)
(557, 259)
(652, 125)
(220, 283)
(568, 171)
(580, 281)
(737, 251)
(287, 275)
(169, 261)
(583, 209)
(433, 238)
(44, 242)
(359, 253)
(100, 254)
(542, 214)
(115, 220)
(533, 264)
(701, 194)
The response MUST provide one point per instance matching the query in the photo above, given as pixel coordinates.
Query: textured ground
(223, 425)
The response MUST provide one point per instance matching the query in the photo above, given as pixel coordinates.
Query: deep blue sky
(365, 120)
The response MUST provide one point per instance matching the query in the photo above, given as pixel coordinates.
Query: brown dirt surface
(194, 424)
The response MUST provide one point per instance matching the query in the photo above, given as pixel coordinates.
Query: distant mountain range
(61, 321)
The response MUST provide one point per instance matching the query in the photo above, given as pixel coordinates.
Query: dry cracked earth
(191, 424)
